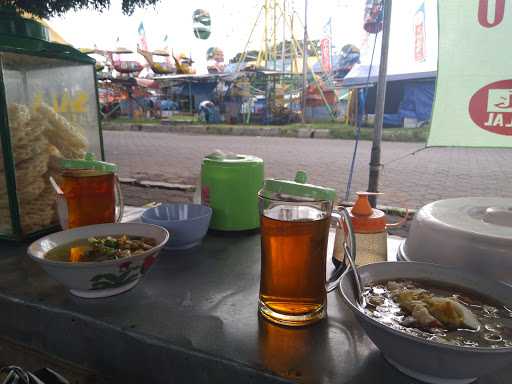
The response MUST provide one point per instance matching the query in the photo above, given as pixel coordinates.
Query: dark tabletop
(192, 319)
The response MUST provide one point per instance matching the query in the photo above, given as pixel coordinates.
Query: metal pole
(244, 54)
(274, 40)
(266, 33)
(190, 97)
(373, 180)
(283, 48)
(295, 64)
(305, 61)
(330, 44)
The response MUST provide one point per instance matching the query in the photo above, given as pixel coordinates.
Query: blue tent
(200, 90)
(417, 100)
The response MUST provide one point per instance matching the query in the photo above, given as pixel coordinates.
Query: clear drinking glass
(294, 237)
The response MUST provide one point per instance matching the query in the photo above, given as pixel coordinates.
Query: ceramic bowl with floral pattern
(102, 278)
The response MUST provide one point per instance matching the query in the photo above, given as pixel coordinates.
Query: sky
(232, 21)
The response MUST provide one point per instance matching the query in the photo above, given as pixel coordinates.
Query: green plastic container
(230, 185)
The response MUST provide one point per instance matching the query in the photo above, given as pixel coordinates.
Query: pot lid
(297, 190)
(88, 162)
(223, 159)
(483, 216)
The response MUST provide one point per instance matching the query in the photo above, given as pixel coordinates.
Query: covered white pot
(473, 233)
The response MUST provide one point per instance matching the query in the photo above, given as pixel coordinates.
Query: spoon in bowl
(357, 277)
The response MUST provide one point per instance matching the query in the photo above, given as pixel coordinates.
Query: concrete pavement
(411, 175)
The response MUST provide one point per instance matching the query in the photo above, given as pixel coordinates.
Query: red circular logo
(491, 107)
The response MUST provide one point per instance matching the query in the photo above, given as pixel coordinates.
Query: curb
(229, 131)
(255, 131)
(397, 211)
(157, 184)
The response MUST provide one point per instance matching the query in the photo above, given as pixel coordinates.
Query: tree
(46, 9)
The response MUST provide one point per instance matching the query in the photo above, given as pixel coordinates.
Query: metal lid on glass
(297, 190)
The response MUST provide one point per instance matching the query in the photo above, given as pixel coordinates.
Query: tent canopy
(358, 76)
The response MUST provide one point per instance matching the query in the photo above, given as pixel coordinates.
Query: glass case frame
(30, 44)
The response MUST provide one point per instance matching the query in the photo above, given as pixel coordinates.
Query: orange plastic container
(370, 228)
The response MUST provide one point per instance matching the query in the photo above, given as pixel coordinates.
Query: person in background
(204, 110)
(208, 112)
(149, 105)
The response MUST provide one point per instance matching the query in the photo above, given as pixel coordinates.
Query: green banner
(473, 104)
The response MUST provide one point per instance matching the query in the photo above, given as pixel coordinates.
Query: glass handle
(119, 200)
(342, 220)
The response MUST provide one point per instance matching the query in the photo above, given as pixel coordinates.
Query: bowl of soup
(434, 323)
(100, 260)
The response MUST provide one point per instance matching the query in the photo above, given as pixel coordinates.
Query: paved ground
(408, 177)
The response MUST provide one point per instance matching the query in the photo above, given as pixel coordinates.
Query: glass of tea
(91, 192)
(295, 221)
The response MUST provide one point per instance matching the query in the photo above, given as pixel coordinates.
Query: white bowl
(472, 233)
(188, 223)
(427, 360)
(104, 278)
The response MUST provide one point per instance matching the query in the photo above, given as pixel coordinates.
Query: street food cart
(49, 107)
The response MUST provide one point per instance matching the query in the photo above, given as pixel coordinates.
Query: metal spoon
(56, 186)
(357, 278)
(62, 205)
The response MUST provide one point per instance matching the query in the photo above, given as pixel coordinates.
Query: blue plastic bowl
(187, 223)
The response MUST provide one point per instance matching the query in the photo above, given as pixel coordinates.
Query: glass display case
(49, 106)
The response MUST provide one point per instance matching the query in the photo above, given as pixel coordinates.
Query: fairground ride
(165, 67)
(159, 59)
(282, 51)
(119, 82)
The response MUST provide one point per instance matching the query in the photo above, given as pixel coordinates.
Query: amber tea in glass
(90, 197)
(293, 265)
(296, 218)
(293, 261)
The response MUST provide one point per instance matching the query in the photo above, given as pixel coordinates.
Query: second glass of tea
(295, 221)
(91, 191)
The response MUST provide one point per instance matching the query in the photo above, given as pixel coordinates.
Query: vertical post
(221, 96)
(274, 39)
(330, 44)
(295, 65)
(373, 180)
(283, 48)
(267, 100)
(190, 109)
(266, 32)
(305, 61)
(130, 102)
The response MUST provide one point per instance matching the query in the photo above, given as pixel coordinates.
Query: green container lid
(219, 158)
(88, 162)
(297, 190)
